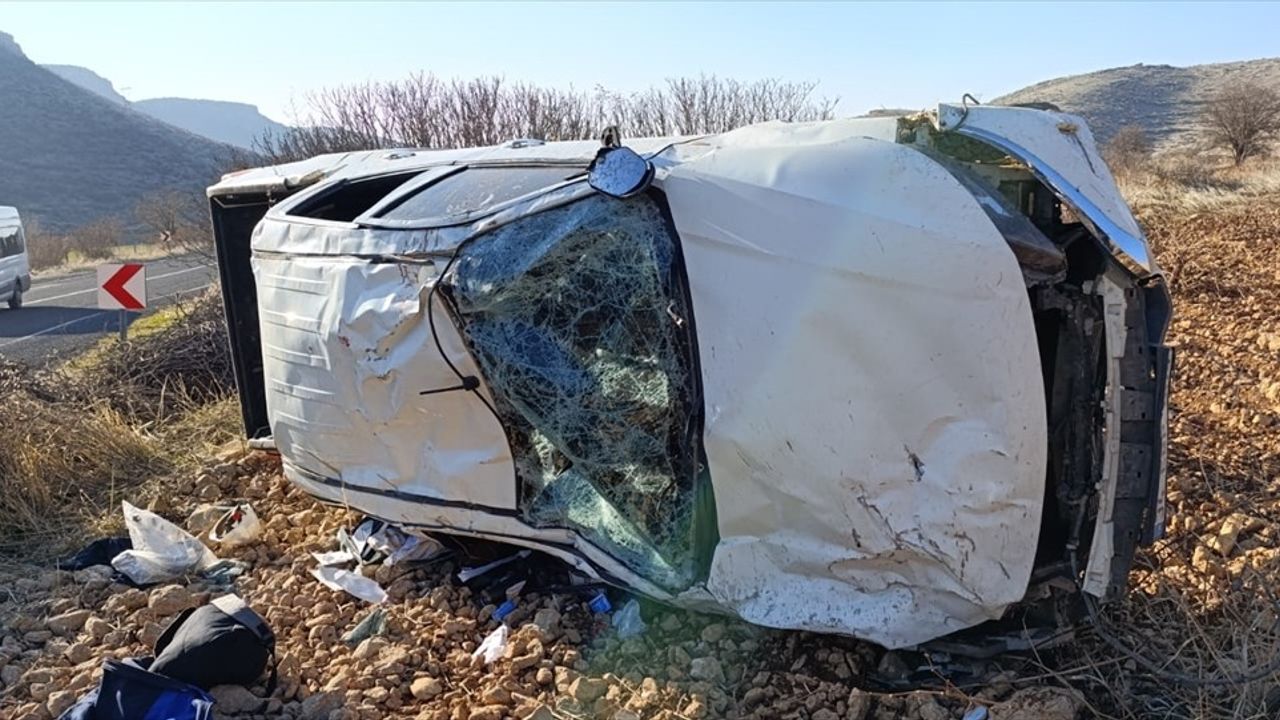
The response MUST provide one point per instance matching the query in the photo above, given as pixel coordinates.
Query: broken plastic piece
(977, 713)
(627, 621)
(161, 550)
(600, 603)
(514, 591)
(238, 526)
(375, 541)
(334, 557)
(353, 583)
(224, 572)
(504, 610)
(466, 574)
(493, 645)
(371, 625)
(414, 549)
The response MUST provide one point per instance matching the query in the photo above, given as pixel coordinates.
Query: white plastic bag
(161, 550)
(238, 526)
(627, 621)
(334, 557)
(493, 645)
(354, 583)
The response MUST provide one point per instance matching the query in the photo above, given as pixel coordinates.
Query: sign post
(123, 288)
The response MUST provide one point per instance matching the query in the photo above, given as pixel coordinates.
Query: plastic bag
(353, 583)
(161, 550)
(238, 526)
(627, 621)
(493, 645)
(334, 557)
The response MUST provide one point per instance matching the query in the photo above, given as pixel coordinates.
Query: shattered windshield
(580, 321)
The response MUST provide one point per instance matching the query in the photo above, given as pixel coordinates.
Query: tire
(15, 301)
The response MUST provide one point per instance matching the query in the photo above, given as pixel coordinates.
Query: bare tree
(1128, 148)
(1244, 118)
(425, 111)
(178, 220)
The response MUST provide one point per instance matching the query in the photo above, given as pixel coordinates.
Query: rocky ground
(1202, 609)
(561, 661)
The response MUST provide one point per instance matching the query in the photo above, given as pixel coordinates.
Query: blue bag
(129, 691)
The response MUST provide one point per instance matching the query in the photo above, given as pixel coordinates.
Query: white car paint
(15, 268)
(875, 411)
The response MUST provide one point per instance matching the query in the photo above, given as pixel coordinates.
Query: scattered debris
(372, 625)
(357, 585)
(98, 552)
(495, 643)
(238, 526)
(470, 573)
(627, 621)
(161, 550)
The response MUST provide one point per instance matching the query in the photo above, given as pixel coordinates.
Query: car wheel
(15, 301)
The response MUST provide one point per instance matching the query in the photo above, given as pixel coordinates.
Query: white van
(15, 271)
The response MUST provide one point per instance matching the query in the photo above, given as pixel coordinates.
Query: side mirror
(619, 172)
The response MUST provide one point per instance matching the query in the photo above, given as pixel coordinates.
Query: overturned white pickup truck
(876, 377)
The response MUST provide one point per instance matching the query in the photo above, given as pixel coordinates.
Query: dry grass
(1194, 638)
(1199, 628)
(88, 435)
(76, 261)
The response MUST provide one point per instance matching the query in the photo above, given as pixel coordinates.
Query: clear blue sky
(869, 55)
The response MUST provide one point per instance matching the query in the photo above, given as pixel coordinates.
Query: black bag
(222, 643)
(129, 691)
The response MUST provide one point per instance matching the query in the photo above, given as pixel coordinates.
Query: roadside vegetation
(1197, 636)
(94, 431)
(164, 223)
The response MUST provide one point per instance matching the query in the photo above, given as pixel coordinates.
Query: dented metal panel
(797, 380)
(347, 349)
(1060, 149)
(876, 435)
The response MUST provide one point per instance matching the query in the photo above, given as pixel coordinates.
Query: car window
(476, 189)
(11, 242)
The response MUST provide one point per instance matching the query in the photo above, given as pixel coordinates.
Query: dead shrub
(99, 239)
(1128, 150)
(428, 112)
(179, 221)
(79, 439)
(44, 250)
(62, 457)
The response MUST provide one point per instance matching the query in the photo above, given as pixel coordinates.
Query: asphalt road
(60, 314)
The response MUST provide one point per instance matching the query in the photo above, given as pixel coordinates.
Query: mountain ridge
(71, 157)
(1167, 101)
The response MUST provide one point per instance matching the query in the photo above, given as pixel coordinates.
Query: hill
(1167, 101)
(89, 80)
(233, 123)
(70, 157)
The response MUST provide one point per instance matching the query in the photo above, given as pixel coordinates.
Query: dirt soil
(1202, 604)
